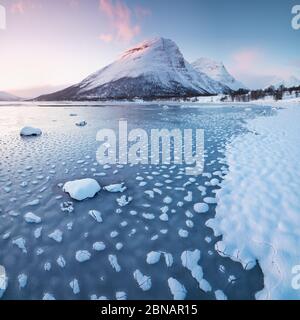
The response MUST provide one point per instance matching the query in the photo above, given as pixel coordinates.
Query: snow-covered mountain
(4, 96)
(287, 82)
(218, 72)
(153, 69)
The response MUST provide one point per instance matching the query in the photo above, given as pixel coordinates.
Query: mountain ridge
(152, 69)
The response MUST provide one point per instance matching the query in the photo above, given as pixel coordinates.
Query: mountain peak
(151, 69)
(217, 71)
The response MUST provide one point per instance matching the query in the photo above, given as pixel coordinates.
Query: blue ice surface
(36, 168)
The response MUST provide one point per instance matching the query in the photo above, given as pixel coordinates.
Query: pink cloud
(106, 37)
(21, 6)
(246, 59)
(120, 17)
(18, 7)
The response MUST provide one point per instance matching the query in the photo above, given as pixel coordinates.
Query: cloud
(22, 6)
(120, 18)
(246, 59)
(106, 37)
(18, 7)
(255, 68)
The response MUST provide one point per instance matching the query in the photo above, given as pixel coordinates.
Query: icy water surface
(32, 171)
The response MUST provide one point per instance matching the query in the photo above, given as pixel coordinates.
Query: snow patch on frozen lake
(259, 203)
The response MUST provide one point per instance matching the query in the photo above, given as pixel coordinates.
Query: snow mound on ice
(30, 131)
(82, 189)
(259, 203)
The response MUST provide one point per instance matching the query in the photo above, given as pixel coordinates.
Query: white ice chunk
(32, 218)
(30, 131)
(82, 189)
(99, 246)
(82, 255)
(143, 281)
(3, 281)
(220, 295)
(177, 289)
(61, 261)
(153, 257)
(22, 278)
(20, 243)
(48, 296)
(56, 235)
(115, 188)
(75, 286)
(121, 295)
(123, 200)
(114, 262)
(96, 215)
(201, 207)
(168, 259)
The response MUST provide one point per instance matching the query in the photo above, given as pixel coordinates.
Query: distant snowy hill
(288, 82)
(4, 96)
(153, 69)
(218, 72)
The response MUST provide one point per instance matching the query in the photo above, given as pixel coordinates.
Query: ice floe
(22, 279)
(124, 200)
(74, 284)
(20, 243)
(153, 257)
(201, 207)
(220, 295)
(99, 246)
(143, 281)
(82, 189)
(120, 187)
(177, 289)
(82, 255)
(96, 215)
(3, 281)
(32, 218)
(114, 262)
(56, 235)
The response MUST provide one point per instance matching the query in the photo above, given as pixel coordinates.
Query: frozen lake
(32, 171)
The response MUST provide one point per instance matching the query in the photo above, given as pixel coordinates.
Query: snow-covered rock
(82, 189)
(3, 281)
(154, 68)
(217, 71)
(82, 123)
(30, 131)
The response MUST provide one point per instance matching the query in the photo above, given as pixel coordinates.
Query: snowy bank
(259, 204)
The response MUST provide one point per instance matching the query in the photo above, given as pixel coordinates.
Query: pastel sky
(49, 44)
